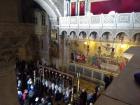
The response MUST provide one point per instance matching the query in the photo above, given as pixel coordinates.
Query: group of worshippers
(90, 98)
(107, 80)
(42, 94)
(49, 90)
(42, 91)
(32, 95)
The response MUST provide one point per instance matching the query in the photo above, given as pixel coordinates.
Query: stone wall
(8, 11)
(14, 36)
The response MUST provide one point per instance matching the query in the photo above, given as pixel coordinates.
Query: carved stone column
(60, 51)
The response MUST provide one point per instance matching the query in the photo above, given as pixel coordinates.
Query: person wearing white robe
(46, 84)
(56, 88)
(60, 89)
(53, 86)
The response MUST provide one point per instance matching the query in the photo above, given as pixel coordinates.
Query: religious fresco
(99, 54)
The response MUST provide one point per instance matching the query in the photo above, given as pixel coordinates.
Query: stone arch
(106, 36)
(93, 35)
(73, 35)
(47, 8)
(63, 34)
(136, 38)
(82, 35)
(51, 9)
(122, 36)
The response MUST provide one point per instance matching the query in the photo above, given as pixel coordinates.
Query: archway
(82, 35)
(47, 8)
(51, 9)
(73, 35)
(93, 35)
(122, 37)
(106, 36)
(63, 34)
(136, 38)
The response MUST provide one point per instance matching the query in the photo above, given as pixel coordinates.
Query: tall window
(43, 19)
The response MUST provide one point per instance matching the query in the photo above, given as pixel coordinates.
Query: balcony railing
(117, 20)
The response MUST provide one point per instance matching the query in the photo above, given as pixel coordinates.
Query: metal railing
(90, 73)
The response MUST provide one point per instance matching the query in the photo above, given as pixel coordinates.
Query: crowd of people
(39, 84)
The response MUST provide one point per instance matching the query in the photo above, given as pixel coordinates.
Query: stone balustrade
(128, 23)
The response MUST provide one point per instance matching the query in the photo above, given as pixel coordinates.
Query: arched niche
(82, 35)
(122, 37)
(106, 36)
(136, 38)
(73, 35)
(93, 35)
(63, 34)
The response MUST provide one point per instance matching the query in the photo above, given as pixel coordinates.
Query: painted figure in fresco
(94, 58)
(112, 53)
(78, 57)
(122, 64)
(99, 51)
(83, 58)
(87, 49)
(96, 61)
